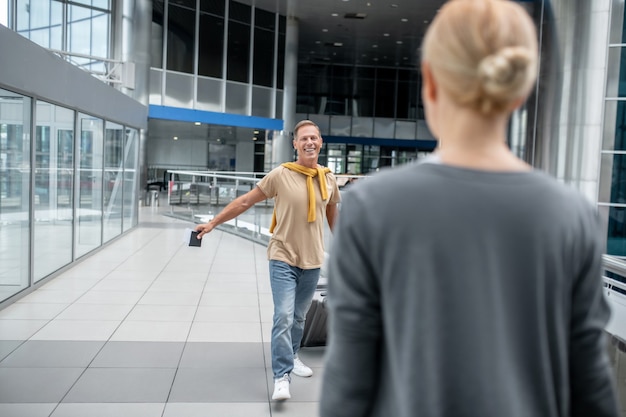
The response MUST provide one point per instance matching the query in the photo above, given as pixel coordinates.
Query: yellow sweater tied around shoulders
(310, 173)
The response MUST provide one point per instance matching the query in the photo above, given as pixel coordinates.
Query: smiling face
(308, 143)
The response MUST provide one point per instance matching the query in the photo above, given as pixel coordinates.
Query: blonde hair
(483, 53)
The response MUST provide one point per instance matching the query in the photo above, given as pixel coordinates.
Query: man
(305, 193)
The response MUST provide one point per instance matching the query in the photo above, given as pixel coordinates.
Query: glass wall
(15, 192)
(89, 196)
(54, 184)
(81, 193)
(113, 180)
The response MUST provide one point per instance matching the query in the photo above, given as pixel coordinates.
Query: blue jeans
(292, 290)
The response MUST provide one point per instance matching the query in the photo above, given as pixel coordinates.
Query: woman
(469, 284)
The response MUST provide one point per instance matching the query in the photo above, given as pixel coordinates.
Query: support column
(282, 147)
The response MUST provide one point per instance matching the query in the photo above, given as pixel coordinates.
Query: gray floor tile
(36, 385)
(8, 346)
(109, 410)
(217, 409)
(53, 354)
(220, 385)
(295, 409)
(122, 385)
(139, 355)
(225, 355)
(26, 410)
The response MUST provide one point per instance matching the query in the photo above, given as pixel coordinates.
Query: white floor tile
(178, 298)
(162, 313)
(229, 299)
(113, 312)
(151, 331)
(32, 311)
(20, 329)
(110, 297)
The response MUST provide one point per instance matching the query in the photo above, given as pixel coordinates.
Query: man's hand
(204, 228)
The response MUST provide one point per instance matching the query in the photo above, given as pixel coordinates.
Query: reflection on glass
(113, 180)
(14, 193)
(54, 183)
(130, 179)
(89, 197)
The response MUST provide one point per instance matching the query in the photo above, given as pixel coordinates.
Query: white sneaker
(281, 388)
(300, 368)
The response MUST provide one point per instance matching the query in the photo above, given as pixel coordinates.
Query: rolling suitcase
(315, 322)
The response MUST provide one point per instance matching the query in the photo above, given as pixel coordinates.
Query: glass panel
(280, 74)
(209, 95)
(616, 232)
(14, 193)
(89, 197)
(279, 104)
(215, 7)
(616, 73)
(130, 188)
(363, 127)
(178, 90)
(113, 180)
(54, 188)
(181, 32)
(405, 129)
(156, 37)
(238, 51)
(606, 172)
(614, 125)
(363, 104)
(340, 125)
(239, 12)
(263, 73)
(261, 102)
(385, 93)
(156, 90)
(383, 128)
(211, 46)
(40, 22)
(236, 98)
(618, 179)
(618, 30)
(102, 4)
(88, 34)
(371, 155)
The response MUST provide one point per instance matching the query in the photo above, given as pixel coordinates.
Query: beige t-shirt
(295, 241)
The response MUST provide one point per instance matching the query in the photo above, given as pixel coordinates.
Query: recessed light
(393, 6)
(318, 42)
(374, 46)
(254, 138)
(256, 132)
(404, 19)
(385, 34)
(175, 137)
(324, 30)
(334, 14)
(197, 123)
(399, 42)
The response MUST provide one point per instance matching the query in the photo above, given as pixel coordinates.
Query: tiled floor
(149, 327)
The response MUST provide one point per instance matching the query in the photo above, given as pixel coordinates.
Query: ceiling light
(385, 34)
(374, 46)
(318, 42)
(175, 138)
(393, 6)
(404, 19)
(256, 132)
(399, 42)
(197, 123)
(254, 138)
(324, 30)
(334, 14)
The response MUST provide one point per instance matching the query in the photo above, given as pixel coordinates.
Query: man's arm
(232, 210)
(331, 215)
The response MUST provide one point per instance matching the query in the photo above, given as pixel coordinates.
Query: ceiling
(357, 32)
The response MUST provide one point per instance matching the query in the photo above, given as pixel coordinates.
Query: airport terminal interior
(125, 122)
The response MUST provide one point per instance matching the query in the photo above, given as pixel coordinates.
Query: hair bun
(505, 73)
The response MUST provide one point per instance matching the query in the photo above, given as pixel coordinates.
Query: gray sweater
(463, 293)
